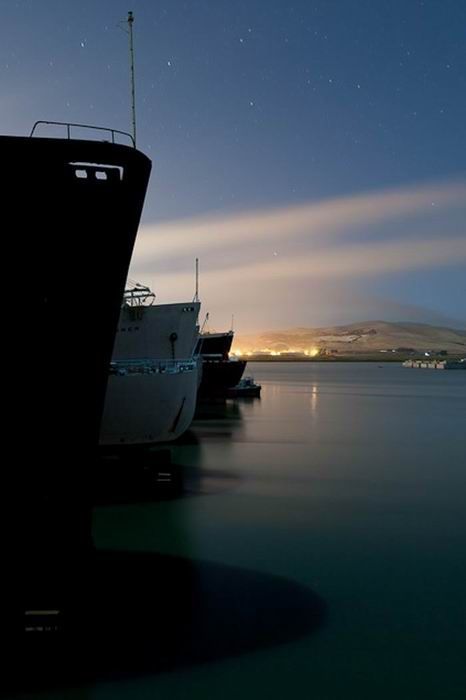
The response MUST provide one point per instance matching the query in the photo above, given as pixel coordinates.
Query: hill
(371, 336)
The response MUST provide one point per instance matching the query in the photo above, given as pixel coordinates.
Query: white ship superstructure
(154, 375)
(149, 330)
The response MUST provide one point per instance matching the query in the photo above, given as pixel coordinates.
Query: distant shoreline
(392, 358)
(369, 341)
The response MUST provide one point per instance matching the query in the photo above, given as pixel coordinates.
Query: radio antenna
(130, 21)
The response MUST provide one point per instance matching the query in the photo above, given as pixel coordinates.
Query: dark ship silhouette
(219, 371)
(71, 211)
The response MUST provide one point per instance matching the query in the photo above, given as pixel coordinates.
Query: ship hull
(220, 375)
(72, 210)
(152, 390)
(150, 407)
(215, 344)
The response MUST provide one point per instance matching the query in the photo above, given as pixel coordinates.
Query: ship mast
(130, 21)
(196, 293)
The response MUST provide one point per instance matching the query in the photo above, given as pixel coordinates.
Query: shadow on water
(130, 474)
(149, 476)
(142, 613)
(218, 408)
(136, 614)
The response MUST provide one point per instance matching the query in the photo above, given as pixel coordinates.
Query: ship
(154, 373)
(246, 388)
(436, 364)
(215, 345)
(219, 371)
(71, 211)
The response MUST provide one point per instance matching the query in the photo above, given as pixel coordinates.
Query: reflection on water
(173, 470)
(218, 409)
(314, 393)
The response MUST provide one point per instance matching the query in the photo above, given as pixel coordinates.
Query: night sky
(310, 153)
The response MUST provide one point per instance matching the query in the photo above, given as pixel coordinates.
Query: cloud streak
(314, 220)
(322, 261)
(366, 259)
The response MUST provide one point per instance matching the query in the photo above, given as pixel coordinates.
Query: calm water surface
(348, 479)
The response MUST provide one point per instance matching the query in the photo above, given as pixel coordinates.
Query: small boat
(246, 387)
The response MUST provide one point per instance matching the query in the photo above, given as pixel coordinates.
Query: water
(341, 494)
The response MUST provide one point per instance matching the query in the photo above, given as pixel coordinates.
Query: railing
(69, 125)
(138, 295)
(143, 366)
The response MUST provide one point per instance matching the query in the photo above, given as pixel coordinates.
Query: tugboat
(71, 210)
(246, 388)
